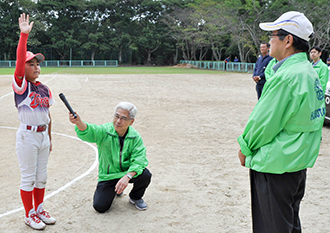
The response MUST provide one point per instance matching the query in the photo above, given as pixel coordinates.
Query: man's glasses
(122, 118)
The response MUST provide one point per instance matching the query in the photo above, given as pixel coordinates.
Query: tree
(321, 22)
(94, 29)
(149, 31)
(149, 40)
(215, 30)
(9, 30)
(62, 20)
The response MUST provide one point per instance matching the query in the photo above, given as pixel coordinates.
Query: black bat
(62, 97)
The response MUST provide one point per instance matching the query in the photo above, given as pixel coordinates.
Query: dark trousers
(259, 89)
(275, 201)
(105, 191)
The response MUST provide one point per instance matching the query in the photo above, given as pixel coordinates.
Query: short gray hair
(132, 110)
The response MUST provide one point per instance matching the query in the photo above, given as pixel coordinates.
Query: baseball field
(189, 120)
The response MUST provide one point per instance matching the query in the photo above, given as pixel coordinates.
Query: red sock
(27, 201)
(38, 195)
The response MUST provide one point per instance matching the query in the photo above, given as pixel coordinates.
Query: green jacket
(323, 72)
(112, 163)
(269, 69)
(283, 133)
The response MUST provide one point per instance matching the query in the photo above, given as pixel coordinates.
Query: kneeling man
(122, 157)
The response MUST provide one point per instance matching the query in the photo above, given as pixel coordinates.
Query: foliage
(116, 70)
(152, 32)
(8, 31)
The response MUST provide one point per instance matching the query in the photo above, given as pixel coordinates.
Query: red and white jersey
(32, 101)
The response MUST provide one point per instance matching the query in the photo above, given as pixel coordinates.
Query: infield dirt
(189, 124)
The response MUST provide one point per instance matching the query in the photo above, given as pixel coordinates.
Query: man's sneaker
(34, 221)
(44, 216)
(140, 204)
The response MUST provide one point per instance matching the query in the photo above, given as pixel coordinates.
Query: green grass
(115, 70)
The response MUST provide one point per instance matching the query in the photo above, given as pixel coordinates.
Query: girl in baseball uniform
(33, 138)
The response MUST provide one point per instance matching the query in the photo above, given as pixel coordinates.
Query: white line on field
(6, 95)
(66, 185)
(10, 93)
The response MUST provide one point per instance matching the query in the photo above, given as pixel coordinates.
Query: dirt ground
(189, 124)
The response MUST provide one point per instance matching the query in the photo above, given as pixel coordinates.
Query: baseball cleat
(44, 216)
(34, 221)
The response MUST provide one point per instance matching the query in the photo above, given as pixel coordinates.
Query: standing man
(320, 67)
(226, 62)
(122, 157)
(259, 69)
(283, 134)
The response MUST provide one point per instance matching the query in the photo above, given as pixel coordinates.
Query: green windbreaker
(269, 69)
(114, 164)
(323, 72)
(283, 133)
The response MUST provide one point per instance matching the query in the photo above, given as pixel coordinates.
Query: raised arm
(25, 28)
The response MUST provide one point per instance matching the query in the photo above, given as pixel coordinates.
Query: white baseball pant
(32, 150)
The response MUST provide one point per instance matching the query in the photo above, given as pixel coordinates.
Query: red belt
(40, 128)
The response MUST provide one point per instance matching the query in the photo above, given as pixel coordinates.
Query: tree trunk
(120, 55)
(149, 58)
(215, 53)
(93, 55)
(202, 54)
(175, 57)
(193, 52)
(184, 52)
(62, 57)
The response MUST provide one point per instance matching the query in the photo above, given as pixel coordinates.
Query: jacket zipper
(108, 168)
(120, 155)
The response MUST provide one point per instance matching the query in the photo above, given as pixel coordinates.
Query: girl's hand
(24, 24)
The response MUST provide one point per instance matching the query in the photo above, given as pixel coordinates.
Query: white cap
(293, 22)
